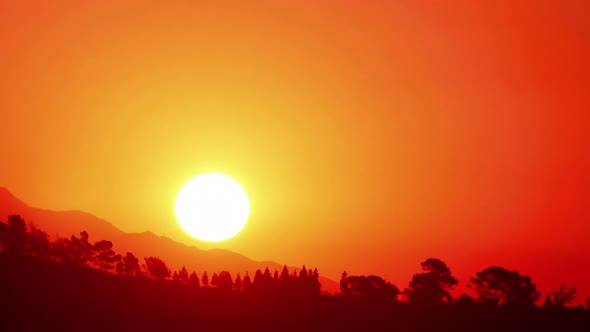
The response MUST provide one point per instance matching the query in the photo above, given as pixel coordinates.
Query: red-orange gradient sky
(369, 135)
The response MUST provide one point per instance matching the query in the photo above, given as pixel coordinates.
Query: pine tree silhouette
(205, 279)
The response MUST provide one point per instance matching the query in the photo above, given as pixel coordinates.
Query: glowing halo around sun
(212, 207)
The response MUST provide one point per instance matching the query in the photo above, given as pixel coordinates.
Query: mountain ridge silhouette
(143, 244)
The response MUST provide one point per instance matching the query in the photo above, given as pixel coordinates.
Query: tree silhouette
(263, 282)
(74, 250)
(205, 279)
(257, 283)
(13, 235)
(129, 265)
(183, 275)
(286, 283)
(59, 248)
(560, 298)
(193, 279)
(157, 268)
(314, 283)
(497, 285)
(246, 283)
(4, 235)
(238, 283)
(80, 247)
(368, 287)
(267, 278)
(433, 285)
(285, 277)
(303, 273)
(344, 289)
(38, 242)
(215, 280)
(225, 280)
(105, 257)
(466, 300)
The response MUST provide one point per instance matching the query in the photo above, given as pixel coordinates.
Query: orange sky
(369, 135)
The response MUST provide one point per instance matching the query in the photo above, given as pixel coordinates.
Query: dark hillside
(42, 295)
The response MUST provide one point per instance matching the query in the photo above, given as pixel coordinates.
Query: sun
(212, 207)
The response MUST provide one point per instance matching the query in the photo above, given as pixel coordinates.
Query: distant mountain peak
(7, 198)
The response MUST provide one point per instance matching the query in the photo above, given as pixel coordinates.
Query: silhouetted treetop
(238, 283)
(366, 296)
(368, 287)
(215, 279)
(497, 285)
(75, 250)
(129, 265)
(433, 285)
(205, 279)
(247, 283)
(560, 298)
(225, 280)
(183, 275)
(193, 279)
(104, 256)
(13, 236)
(38, 243)
(157, 268)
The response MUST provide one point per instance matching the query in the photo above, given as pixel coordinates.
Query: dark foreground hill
(175, 254)
(43, 295)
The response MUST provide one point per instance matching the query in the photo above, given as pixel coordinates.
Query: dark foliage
(104, 255)
(499, 286)
(67, 286)
(371, 288)
(433, 285)
(75, 250)
(205, 279)
(225, 281)
(193, 280)
(43, 295)
(13, 236)
(560, 298)
(183, 275)
(157, 268)
(129, 266)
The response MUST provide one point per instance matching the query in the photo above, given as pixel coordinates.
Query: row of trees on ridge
(17, 239)
(494, 285)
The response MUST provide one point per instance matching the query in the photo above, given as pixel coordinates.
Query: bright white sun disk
(212, 207)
